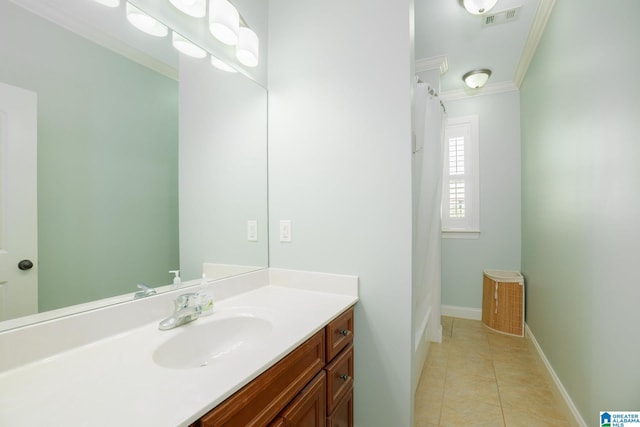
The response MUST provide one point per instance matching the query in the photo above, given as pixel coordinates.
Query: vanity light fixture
(247, 47)
(109, 3)
(195, 8)
(144, 22)
(479, 7)
(224, 21)
(477, 78)
(185, 46)
(221, 65)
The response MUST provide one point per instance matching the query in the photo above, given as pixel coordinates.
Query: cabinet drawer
(339, 333)
(261, 400)
(342, 415)
(278, 422)
(308, 409)
(339, 378)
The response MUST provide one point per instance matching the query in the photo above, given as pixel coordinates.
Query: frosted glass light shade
(109, 3)
(144, 22)
(224, 21)
(479, 7)
(221, 65)
(195, 8)
(185, 46)
(475, 79)
(247, 47)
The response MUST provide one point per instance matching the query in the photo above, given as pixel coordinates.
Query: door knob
(25, 264)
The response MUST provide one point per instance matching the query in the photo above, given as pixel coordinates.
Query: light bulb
(195, 8)
(144, 22)
(221, 65)
(224, 21)
(186, 47)
(247, 47)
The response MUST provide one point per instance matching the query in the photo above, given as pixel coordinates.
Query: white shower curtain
(427, 182)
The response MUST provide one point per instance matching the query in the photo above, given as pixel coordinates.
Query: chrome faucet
(144, 291)
(187, 309)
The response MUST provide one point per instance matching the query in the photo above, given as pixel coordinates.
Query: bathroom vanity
(278, 351)
(312, 383)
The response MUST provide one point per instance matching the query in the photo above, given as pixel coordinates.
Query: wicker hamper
(503, 301)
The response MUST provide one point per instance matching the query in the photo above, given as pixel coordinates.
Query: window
(460, 191)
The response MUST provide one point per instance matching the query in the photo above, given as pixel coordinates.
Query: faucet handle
(145, 291)
(186, 300)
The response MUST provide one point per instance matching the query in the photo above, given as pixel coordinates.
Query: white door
(18, 202)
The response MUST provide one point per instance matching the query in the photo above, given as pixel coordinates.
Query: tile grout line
(504, 419)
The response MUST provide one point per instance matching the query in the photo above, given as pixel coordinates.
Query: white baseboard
(571, 408)
(461, 312)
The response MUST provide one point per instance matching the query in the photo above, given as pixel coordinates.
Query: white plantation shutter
(460, 198)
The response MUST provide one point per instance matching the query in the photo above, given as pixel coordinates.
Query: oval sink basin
(205, 341)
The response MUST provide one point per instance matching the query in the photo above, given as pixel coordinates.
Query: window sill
(460, 234)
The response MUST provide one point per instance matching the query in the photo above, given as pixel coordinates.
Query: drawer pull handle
(344, 332)
(345, 377)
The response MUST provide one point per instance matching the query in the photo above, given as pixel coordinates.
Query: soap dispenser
(177, 282)
(206, 297)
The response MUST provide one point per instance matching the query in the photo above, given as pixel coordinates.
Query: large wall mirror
(147, 160)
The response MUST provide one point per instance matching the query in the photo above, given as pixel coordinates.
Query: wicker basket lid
(504, 276)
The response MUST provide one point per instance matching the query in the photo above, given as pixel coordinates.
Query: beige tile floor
(477, 377)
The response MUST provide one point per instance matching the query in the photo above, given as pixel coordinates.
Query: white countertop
(115, 382)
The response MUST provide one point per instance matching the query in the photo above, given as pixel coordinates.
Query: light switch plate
(252, 230)
(285, 230)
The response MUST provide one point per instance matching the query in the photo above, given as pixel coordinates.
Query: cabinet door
(342, 415)
(308, 409)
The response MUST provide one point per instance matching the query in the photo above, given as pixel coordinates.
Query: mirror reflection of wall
(223, 151)
(107, 162)
(110, 209)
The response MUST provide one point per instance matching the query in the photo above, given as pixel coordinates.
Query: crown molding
(490, 89)
(535, 34)
(433, 63)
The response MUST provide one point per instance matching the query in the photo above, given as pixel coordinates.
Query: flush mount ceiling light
(109, 3)
(247, 47)
(224, 21)
(221, 65)
(144, 22)
(477, 78)
(195, 8)
(478, 7)
(185, 46)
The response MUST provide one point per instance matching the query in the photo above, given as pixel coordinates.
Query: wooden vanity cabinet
(301, 390)
(260, 401)
(339, 370)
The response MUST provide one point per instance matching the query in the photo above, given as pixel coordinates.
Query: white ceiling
(444, 29)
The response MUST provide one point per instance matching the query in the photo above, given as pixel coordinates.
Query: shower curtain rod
(433, 93)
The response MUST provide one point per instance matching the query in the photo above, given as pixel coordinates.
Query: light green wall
(580, 151)
(498, 246)
(107, 162)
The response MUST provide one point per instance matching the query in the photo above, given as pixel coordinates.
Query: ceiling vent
(501, 17)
